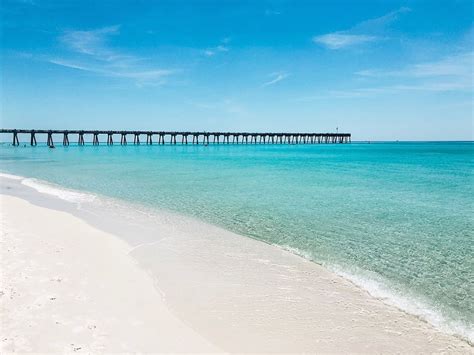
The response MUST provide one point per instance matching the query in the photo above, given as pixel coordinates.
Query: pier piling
(33, 138)
(15, 138)
(136, 138)
(50, 139)
(65, 138)
(81, 138)
(95, 138)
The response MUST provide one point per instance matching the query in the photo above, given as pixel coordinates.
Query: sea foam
(410, 305)
(381, 291)
(11, 177)
(60, 192)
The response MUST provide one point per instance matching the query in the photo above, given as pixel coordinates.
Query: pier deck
(172, 137)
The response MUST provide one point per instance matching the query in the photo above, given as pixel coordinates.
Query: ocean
(397, 219)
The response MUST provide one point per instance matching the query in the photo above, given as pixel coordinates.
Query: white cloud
(90, 51)
(67, 64)
(458, 65)
(380, 23)
(275, 78)
(269, 12)
(370, 92)
(213, 51)
(338, 40)
(218, 49)
(364, 32)
(91, 42)
(452, 73)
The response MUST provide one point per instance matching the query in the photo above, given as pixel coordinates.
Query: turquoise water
(396, 218)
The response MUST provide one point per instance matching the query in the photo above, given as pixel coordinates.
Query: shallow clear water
(397, 218)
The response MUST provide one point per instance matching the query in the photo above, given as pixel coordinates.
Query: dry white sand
(67, 286)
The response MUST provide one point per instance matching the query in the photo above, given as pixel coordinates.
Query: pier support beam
(15, 138)
(81, 138)
(65, 138)
(149, 140)
(33, 138)
(95, 138)
(136, 138)
(50, 139)
(161, 138)
(110, 139)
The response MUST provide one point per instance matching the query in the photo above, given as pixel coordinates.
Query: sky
(381, 70)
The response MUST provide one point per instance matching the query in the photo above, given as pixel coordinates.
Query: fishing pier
(171, 137)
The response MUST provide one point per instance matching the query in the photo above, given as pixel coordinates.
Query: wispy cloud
(91, 42)
(90, 51)
(449, 74)
(458, 65)
(269, 12)
(380, 23)
(65, 63)
(364, 32)
(338, 40)
(371, 92)
(214, 50)
(275, 78)
(222, 47)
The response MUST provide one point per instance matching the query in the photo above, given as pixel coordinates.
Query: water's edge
(83, 205)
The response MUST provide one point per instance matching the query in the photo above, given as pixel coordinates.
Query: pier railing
(172, 137)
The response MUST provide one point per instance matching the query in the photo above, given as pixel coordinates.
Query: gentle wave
(57, 191)
(409, 305)
(381, 291)
(10, 176)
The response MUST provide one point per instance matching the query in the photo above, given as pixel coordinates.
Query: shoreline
(300, 307)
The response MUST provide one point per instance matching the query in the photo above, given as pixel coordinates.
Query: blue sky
(382, 70)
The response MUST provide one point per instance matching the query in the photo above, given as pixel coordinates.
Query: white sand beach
(67, 286)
